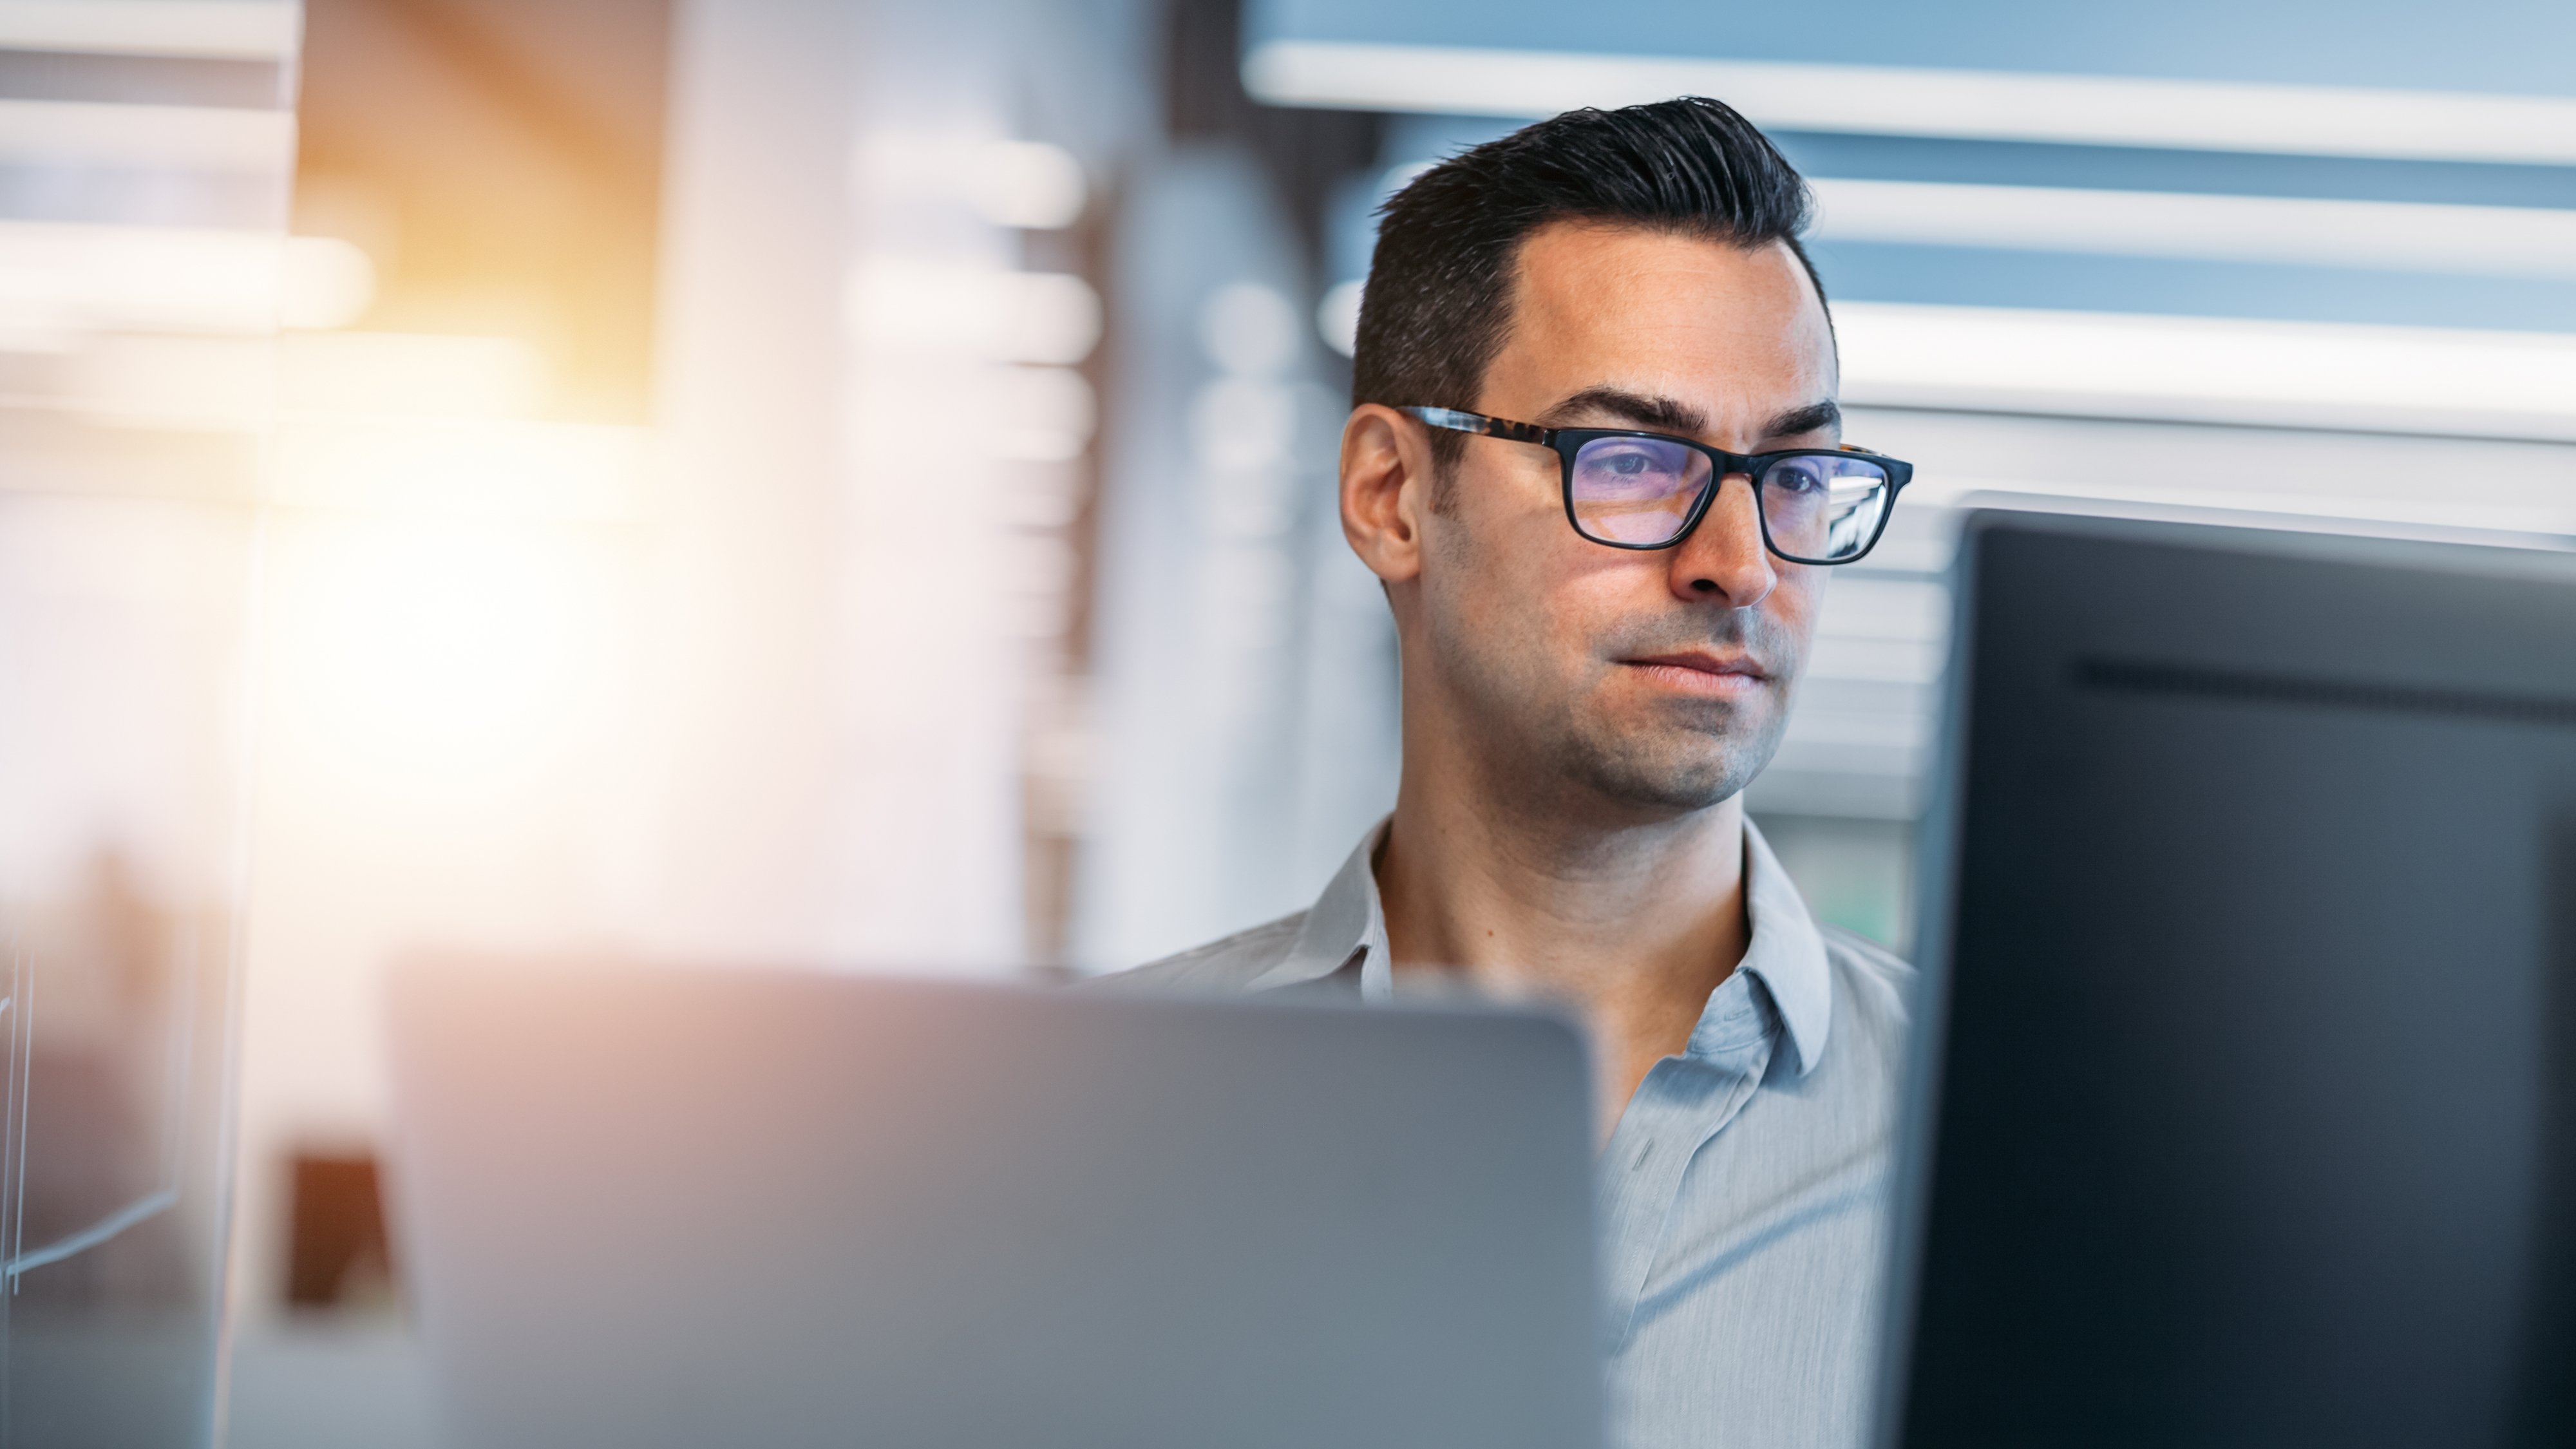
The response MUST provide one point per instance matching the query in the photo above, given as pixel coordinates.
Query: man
(1571, 337)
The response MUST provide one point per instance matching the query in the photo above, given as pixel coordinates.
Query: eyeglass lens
(1822, 506)
(1641, 491)
(1637, 490)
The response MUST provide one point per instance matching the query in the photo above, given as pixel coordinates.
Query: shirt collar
(1347, 920)
(1786, 953)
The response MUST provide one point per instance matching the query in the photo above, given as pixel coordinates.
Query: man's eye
(1631, 467)
(1800, 477)
(1631, 463)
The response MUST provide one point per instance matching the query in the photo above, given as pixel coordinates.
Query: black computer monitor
(2244, 1104)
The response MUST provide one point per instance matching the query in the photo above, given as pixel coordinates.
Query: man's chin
(1669, 782)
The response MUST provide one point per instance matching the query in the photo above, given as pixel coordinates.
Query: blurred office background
(849, 483)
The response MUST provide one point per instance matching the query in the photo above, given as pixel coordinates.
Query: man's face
(1655, 681)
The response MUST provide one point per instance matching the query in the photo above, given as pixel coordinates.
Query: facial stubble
(1674, 752)
(1546, 735)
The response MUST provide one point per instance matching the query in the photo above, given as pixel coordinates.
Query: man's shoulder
(1868, 963)
(1229, 963)
(1873, 987)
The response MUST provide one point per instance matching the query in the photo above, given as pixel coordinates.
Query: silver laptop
(645, 1207)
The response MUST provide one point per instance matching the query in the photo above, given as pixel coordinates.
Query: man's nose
(1723, 560)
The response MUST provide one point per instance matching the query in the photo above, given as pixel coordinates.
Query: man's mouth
(1703, 672)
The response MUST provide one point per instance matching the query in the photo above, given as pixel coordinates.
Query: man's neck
(1631, 925)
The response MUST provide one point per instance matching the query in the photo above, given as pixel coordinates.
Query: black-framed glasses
(1630, 489)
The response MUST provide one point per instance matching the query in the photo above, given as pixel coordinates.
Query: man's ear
(1386, 490)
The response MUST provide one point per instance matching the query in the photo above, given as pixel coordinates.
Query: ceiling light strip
(100, 133)
(2208, 369)
(195, 29)
(2195, 115)
(2511, 241)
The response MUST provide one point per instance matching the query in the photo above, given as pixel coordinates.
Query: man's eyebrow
(1638, 410)
(1671, 415)
(1815, 417)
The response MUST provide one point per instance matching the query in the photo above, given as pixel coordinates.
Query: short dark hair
(1437, 304)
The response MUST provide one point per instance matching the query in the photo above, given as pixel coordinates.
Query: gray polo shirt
(1743, 1198)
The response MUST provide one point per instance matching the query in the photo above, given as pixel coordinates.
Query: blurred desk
(331, 1381)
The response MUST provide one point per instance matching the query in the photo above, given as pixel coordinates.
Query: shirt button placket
(1680, 1108)
(1643, 1200)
